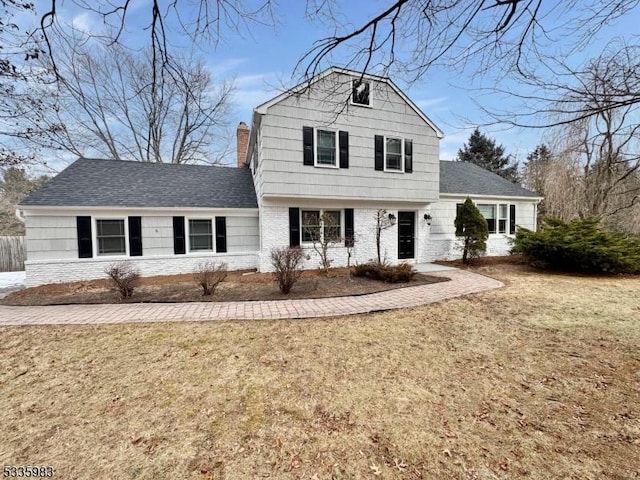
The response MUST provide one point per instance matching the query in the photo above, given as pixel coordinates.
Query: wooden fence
(12, 253)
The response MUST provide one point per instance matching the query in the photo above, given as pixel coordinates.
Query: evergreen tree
(15, 186)
(535, 173)
(471, 225)
(484, 152)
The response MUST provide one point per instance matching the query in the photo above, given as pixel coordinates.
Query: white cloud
(84, 23)
(427, 103)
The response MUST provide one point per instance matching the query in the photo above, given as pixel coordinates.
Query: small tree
(324, 232)
(471, 225)
(124, 277)
(287, 264)
(382, 223)
(209, 275)
(350, 243)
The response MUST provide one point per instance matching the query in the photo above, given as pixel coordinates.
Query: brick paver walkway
(462, 283)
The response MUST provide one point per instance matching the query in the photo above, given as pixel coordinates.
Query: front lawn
(539, 380)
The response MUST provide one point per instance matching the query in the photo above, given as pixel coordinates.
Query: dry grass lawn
(538, 380)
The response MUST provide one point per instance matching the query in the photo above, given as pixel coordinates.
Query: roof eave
(537, 199)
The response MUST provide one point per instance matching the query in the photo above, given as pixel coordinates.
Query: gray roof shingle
(469, 179)
(114, 183)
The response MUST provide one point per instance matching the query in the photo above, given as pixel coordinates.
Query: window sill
(361, 104)
(335, 167)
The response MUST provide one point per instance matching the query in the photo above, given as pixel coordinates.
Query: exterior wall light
(428, 218)
(392, 219)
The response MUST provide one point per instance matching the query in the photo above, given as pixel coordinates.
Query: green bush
(580, 245)
(473, 228)
(385, 273)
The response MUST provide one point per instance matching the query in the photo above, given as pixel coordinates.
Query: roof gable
(262, 109)
(465, 178)
(115, 183)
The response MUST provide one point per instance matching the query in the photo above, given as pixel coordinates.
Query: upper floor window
(393, 154)
(111, 238)
(326, 148)
(360, 92)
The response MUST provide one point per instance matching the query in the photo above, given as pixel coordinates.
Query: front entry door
(406, 234)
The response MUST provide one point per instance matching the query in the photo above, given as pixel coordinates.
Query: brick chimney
(242, 135)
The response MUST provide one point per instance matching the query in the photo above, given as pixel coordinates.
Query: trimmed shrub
(402, 272)
(124, 278)
(473, 228)
(581, 246)
(287, 264)
(209, 275)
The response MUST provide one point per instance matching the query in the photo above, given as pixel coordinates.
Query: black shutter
(512, 219)
(379, 149)
(135, 236)
(179, 246)
(343, 138)
(221, 234)
(408, 156)
(349, 238)
(85, 244)
(307, 145)
(294, 227)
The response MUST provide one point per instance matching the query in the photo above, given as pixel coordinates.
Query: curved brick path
(462, 283)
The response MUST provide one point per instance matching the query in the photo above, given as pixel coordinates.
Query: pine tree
(484, 152)
(471, 225)
(535, 173)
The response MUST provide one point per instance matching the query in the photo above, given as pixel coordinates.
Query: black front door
(406, 234)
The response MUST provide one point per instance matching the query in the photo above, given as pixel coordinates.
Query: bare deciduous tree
(109, 106)
(19, 83)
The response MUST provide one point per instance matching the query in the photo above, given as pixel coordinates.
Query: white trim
(262, 109)
(344, 202)
(370, 104)
(384, 154)
(188, 250)
(94, 237)
(497, 217)
(321, 211)
(463, 196)
(315, 148)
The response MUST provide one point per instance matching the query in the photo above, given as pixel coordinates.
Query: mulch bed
(238, 286)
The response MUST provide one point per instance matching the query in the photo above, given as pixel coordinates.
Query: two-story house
(332, 158)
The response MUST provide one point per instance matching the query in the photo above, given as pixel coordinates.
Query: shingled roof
(114, 183)
(467, 178)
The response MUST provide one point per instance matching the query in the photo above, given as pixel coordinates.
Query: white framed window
(200, 235)
(321, 224)
(310, 223)
(488, 211)
(393, 154)
(111, 236)
(326, 152)
(360, 92)
(496, 215)
(503, 217)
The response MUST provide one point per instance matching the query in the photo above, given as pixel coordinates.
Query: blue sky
(262, 62)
